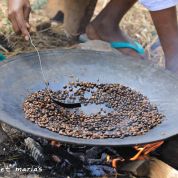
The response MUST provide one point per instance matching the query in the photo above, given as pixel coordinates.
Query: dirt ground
(137, 24)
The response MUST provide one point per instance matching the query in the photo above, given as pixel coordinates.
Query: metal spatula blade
(65, 104)
(58, 102)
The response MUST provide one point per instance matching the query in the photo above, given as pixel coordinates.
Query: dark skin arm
(18, 14)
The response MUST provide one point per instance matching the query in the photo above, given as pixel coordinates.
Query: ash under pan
(21, 75)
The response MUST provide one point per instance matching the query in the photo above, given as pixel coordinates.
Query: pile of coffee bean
(108, 111)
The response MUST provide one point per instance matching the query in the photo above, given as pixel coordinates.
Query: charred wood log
(35, 150)
(62, 153)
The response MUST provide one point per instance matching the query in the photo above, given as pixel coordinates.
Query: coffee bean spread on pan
(107, 111)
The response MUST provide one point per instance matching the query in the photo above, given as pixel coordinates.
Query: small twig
(44, 30)
(4, 49)
(10, 159)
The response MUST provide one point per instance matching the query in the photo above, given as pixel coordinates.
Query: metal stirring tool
(41, 67)
(58, 102)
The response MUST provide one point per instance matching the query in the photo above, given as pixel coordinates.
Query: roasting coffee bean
(123, 112)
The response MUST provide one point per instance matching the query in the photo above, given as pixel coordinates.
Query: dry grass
(137, 24)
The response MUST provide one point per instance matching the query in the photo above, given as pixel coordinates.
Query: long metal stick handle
(41, 67)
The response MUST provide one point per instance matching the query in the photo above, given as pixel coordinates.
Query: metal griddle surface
(20, 76)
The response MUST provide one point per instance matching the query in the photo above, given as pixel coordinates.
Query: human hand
(18, 14)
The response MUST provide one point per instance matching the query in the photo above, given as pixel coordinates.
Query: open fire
(81, 161)
(144, 150)
(61, 160)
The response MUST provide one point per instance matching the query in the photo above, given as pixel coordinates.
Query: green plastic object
(135, 46)
(2, 57)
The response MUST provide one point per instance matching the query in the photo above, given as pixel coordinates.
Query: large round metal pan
(21, 75)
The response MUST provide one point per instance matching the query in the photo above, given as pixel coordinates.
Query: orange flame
(115, 161)
(144, 150)
(55, 143)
